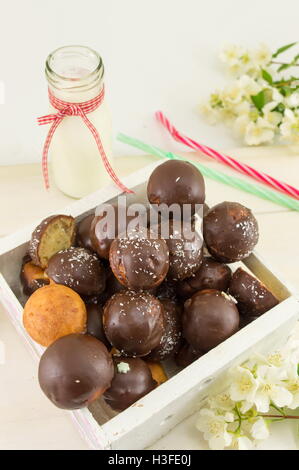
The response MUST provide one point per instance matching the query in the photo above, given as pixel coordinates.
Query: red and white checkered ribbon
(229, 161)
(65, 109)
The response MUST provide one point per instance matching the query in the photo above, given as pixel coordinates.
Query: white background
(157, 53)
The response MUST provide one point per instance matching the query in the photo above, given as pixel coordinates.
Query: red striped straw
(229, 161)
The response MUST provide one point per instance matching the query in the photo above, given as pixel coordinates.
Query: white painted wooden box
(154, 415)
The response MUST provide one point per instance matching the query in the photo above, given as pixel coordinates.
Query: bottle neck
(75, 73)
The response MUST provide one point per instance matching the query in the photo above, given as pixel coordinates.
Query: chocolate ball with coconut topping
(78, 269)
(230, 232)
(133, 322)
(176, 182)
(171, 338)
(210, 317)
(139, 260)
(253, 297)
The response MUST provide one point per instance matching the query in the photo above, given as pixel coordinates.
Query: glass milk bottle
(75, 75)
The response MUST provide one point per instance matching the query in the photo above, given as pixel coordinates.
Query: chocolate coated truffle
(211, 275)
(95, 322)
(102, 233)
(133, 322)
(167, 290)
(171, 337)
(75, 370)
(186, 355)
(210, 317)
(252, 295)
(185, 248)
(132, 380)
(139, 262)
(83, 233)
(78, 269)
(230, 231)
(176, 181)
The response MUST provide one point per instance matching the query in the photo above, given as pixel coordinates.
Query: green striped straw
(216, 175)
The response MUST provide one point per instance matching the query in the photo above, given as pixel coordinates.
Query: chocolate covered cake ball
(186, 355)
(184, 243)
(167, 290)
(171, 337)
(210, 317)
(230, 232)
(75, 370)
(83, 233)
(211, 275)
(78, 269)
(132, 380)
(252, 295)
(103, 230)
(95, 322)
(133, 322)
(176, 182)
(139, 261)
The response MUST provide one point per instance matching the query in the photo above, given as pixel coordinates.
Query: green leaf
(286, 90)
(259, 100)
(267, 76)
(283, 48)
(280, 108)
(298, 369)
(284, 67)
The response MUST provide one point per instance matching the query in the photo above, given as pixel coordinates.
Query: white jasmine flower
(244, 385)
(259, 429)
(249, 85)
(292, 385)
(275, 95)
(231, 54)
(214, 428)
(290, 126)
(262, 55)
(271, 389)
(272, 117)
(241, 443)
(292, 101)
(233, 93)
(222, 402)
(209, 113)
(258, 132)
(240, 124)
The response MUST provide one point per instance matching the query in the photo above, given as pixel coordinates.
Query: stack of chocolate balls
(110, 308)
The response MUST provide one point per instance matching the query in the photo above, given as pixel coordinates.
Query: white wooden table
(28, 420)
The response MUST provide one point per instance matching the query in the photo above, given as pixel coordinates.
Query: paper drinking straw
(216, 175)
(229, 161)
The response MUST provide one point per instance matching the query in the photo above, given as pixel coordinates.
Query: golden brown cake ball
(139, 261)
(176, 182)
(53, 234)
(252, 295)
(210, 317)
(78, 269)
(132, 380)
(133, 322)
(75, 370)
(52, 312)
(230, 232)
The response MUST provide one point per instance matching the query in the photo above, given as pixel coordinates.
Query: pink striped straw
(229, 161)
